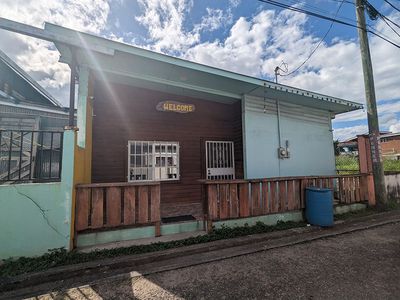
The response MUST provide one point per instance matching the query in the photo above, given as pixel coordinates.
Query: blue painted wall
(36, 217)
(308, 132)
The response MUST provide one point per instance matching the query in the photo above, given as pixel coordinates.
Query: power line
(313, 8)
(387, 19)
(320, 42)
(374, 14)
(391, 27)
(392, 5)
(300, 10)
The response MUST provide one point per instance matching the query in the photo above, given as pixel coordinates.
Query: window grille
(220, 160)
(30, 156)
(153, 161)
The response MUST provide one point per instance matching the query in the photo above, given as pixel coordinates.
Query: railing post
(364, 154)
(371, 190)
(158, 228)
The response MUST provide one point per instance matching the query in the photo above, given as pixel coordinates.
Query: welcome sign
(174, 106)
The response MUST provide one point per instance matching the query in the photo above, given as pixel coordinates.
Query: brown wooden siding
(130, 114)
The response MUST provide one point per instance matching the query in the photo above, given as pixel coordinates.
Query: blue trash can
(319, 206)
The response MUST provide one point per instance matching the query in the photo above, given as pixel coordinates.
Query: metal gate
(220, 160)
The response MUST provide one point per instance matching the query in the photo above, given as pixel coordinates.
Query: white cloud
(395, 127)
(234, 3)
(40, 58)
(243, 49)
(388, 119)
(164, 22)
(214, 19)
(342, 134)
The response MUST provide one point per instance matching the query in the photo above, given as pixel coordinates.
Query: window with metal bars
(30, 156)
(153, 161)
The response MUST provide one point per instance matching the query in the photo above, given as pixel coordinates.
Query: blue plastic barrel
(319, 206)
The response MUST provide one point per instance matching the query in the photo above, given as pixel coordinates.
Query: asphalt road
(359, 265)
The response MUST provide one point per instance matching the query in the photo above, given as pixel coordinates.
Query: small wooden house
(147, 117)
(161, 118)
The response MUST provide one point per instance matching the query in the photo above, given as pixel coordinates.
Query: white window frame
(154, 155)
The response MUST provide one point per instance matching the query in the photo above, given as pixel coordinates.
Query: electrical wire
(396, 8)
(319, 43)
(319, 10)
(387, 19)
(296, 9)
(391, 27)
(374, 14)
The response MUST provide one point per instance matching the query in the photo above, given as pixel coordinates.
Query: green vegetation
(348, 164)
(391, 165)
(60, 257)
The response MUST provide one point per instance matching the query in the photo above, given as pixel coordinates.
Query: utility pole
(373, 123)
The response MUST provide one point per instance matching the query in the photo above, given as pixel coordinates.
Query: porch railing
(30, 156)
(111, 205)
(230, 199)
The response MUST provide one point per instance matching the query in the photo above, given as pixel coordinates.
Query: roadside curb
(161, 261)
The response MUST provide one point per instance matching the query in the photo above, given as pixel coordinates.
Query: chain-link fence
(347, 164)
(391, 165)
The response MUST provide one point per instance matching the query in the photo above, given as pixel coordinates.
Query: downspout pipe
(71, 115)
(278, 114)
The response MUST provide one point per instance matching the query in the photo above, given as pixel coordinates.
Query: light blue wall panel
(311, 148)
(261, 145)
(36, 217)
(308, 132)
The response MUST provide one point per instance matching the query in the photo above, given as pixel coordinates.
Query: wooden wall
(129, 113)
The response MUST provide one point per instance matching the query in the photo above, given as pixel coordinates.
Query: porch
(115, 212)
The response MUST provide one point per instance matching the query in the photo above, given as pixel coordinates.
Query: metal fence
(30, 156)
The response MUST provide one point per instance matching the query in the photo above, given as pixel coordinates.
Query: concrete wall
(393, 186)
(36, 217)
(308, 132)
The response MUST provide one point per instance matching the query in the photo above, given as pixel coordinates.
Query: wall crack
(42, 212)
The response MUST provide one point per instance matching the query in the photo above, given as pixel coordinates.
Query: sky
(244, 36)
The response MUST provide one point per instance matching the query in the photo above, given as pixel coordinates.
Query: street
(359, 265)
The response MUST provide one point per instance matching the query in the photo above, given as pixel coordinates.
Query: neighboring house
(24, 104)
(31, 125)
(390, 145)
(348, 147)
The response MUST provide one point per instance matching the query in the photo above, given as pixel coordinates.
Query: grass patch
(391, 165)
(60, 257)
(348, 164)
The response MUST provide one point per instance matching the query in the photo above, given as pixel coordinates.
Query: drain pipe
(71, 118)
(278, 113)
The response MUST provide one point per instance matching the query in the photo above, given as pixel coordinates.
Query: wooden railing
(110, 205)
(230, 199)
